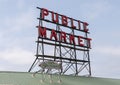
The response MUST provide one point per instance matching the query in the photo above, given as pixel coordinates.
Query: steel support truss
(75, 60)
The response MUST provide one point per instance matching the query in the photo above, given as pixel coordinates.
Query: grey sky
(18, 33)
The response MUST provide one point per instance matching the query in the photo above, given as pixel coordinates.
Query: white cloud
(19, 22)
(105, 61)
(108, 50)
(95, 9)
(17, 56)
(16, 30)
(20, 4)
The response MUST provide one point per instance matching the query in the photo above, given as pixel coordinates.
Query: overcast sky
(18, 33)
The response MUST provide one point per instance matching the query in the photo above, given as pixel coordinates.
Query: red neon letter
(72, 24)
(53, 34)
(85, 24)
(44, 13)
(63, 36)
(72, 39)
(56, 17)
(64, 20)
(89, 44)
(79, 41)
(42, 32)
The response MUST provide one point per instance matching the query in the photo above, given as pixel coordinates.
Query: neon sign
(61, 36)
(64, 40)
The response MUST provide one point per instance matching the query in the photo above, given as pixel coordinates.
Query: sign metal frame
(66, 53)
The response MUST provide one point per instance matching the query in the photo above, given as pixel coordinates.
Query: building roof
(26, 78)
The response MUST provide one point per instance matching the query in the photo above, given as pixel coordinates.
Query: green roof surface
(26, 78)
